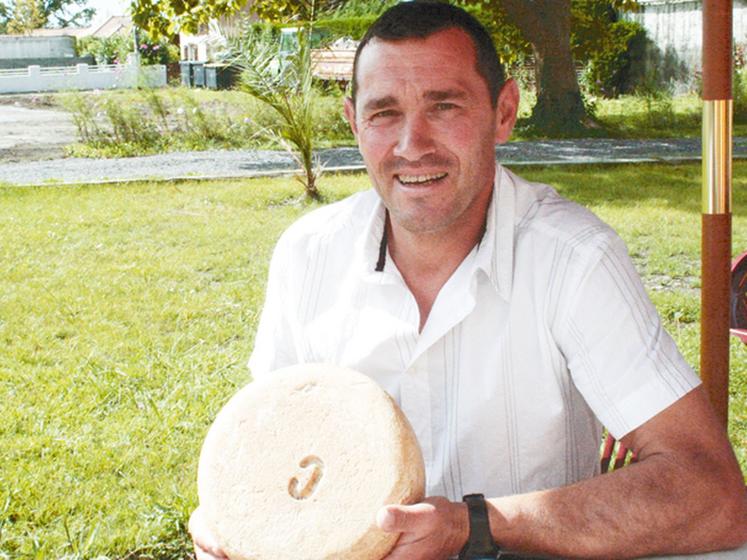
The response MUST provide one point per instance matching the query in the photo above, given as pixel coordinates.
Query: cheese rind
(296, 465)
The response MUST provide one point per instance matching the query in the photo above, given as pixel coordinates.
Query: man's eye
(445, 106)
(387, 113)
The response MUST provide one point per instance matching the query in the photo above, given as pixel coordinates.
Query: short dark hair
(420, 19)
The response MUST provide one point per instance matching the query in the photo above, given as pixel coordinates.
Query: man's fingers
(201, 554)
(206, 548)
(405, 519)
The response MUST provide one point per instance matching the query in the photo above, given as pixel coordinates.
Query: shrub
(84, 116)
(157, 52)
(109, 50)
(146, 121)
(330, 125)
(608, 71)
(128, 125)
(354, 27)
(604, 44)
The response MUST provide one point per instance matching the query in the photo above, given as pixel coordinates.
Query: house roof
(61, 32)
(113, 26)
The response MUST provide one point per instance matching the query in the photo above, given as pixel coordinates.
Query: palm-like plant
(284, 84)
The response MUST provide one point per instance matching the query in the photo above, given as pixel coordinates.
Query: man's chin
(420, 223)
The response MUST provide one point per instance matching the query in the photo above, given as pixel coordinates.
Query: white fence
(81, 76)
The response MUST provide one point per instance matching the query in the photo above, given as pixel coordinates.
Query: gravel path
(246, 163)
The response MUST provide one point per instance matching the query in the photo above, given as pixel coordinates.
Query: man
(505, 321)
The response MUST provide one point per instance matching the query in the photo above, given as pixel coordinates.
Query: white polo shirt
(543, 333)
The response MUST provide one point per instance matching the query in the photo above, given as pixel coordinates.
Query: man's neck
(427, 260)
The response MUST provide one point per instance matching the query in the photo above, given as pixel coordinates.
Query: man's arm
(685, 494)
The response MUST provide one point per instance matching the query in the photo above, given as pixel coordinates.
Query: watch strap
(480, 544)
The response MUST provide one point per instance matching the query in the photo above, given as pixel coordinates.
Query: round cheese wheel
(297, 464)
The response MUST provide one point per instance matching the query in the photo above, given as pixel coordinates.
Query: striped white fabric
(542, 334)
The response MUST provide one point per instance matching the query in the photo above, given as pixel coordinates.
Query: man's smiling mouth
(420, 179)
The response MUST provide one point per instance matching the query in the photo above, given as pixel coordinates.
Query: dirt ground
(33, 128)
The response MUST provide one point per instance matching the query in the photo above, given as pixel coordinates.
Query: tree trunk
(547, 25)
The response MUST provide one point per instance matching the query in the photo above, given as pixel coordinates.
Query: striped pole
(716, 219)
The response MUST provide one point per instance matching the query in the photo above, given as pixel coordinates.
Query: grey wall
(12, 46)
(10, 63)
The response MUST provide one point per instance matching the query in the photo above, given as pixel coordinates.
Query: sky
(106, 8)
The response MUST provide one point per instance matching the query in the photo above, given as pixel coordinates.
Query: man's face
(427, 130)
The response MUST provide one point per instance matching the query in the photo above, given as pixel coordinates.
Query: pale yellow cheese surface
(297, 464)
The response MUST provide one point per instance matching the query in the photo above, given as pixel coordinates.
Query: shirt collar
(371, 246)
(495, 253)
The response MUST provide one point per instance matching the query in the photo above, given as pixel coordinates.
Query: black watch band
(480, 544)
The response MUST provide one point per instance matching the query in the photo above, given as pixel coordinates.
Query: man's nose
(415, 138)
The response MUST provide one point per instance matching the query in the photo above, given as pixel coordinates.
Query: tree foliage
(22, 16)
(67, 13)
(557, 34)
(169, 17)
(605, 45)
(166, 18)
(294, 10)
(26, 17)
(105, 50)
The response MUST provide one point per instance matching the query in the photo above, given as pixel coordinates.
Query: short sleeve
(621, 359)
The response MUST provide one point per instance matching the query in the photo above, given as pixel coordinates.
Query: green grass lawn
(127, 315)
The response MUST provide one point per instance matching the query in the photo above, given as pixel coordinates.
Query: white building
(676, 27)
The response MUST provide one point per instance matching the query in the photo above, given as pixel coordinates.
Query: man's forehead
(445, 60)
(451, 39)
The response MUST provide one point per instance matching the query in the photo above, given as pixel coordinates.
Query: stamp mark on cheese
(313, 468)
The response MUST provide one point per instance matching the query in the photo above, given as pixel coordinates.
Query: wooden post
(716, 219)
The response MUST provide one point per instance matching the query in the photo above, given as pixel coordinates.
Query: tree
(26, 17)
(166, 18)
(5, 15)
(299, 10)
(21, 16)
(66, 13)
(169, 17)
(547, 26)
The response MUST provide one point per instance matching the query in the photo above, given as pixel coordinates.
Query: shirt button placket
(415, 403)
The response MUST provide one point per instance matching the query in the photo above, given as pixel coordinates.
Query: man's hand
(432, 530)
(205, 546)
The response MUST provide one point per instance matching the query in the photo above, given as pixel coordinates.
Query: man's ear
(350, 115)
(507, 106)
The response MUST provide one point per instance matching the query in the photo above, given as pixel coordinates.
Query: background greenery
(125, 123)
(137, 122)
(127, 315)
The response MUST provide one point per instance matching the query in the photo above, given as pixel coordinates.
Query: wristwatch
(480, 544)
